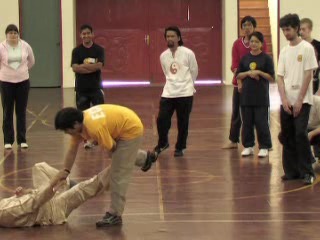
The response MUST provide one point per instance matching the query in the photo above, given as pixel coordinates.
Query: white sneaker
(247, 152)
(89, 145)
(24, 145)
(8, 146)
(263, 153)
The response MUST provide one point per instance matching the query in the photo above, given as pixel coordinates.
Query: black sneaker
(159, 149)
(109, 220)
(151, 158)
(178, 153)
(308, 179)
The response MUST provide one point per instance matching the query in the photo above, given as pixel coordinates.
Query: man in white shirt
(295, 72)
(314, 124)
(180, 68)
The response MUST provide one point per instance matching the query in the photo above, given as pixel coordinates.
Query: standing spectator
(16, 59)
(306, 26)
(180, 68)
(255, 72)
(240, 48)
(87, 62)
(297, 61)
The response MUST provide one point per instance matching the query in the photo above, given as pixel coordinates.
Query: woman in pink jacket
(16, 58)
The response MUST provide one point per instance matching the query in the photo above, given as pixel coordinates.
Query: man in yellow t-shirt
(117, 129)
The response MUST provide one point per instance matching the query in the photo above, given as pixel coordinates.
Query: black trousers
(183, 107)
(14, 96)
(236, 117)
(315, 84)
(315, 142)
(86, 100)
(296, 154)
(255, 117)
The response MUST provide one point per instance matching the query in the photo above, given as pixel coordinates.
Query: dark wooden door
(132, 32)
(121, 28)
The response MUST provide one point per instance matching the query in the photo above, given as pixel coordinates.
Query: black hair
(177, 31)
(67, 117)
(290, 20)
(12, 27)
(250, 19)
(86, 26)
(258, 35)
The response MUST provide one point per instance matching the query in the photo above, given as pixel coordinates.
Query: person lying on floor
(51, 201)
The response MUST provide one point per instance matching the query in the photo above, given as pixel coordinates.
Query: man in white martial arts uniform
(51, 201)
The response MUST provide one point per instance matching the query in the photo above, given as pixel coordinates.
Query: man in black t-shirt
(306, 26)
(87, 62)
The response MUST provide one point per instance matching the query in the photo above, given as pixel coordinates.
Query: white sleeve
(281, 65)
(310, 62)
(162, 62)
(193, 66)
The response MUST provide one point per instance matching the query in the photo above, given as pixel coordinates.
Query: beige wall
(68, 40)
(9, 13)
(230, 34)
(305, 8)
(273, 11)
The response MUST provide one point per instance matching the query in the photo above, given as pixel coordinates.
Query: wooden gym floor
(208, 194)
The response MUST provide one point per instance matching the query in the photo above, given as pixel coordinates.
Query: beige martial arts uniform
(43, 207)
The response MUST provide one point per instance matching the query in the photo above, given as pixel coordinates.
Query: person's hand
(20, 191)
(310, 135)
(62, 175)
(297, 108)
(239, 86)
(286, 106)
(254, 74)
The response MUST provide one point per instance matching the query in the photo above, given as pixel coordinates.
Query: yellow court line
(161, 205)
(237, 221)
(158, 172)
(37, 116)
(5, 157)
(203, 213)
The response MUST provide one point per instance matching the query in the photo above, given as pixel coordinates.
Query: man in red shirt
(240, 49)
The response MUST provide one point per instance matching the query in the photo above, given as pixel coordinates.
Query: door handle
(147, 39)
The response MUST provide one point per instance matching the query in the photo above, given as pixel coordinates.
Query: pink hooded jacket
(7, 73)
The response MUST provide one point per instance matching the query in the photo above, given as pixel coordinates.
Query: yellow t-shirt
(108, 123)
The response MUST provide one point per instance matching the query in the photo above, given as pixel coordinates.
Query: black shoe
(159, 149)
(109, 220)
(308, 179)
(288, 178)
(178, 153)
(151, 158)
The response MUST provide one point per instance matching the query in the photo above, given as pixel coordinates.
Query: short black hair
(258, 35)
(250, 19)
(67, 117)
(12, 27)
(178, 32)
(86, 26)
(290, 20)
